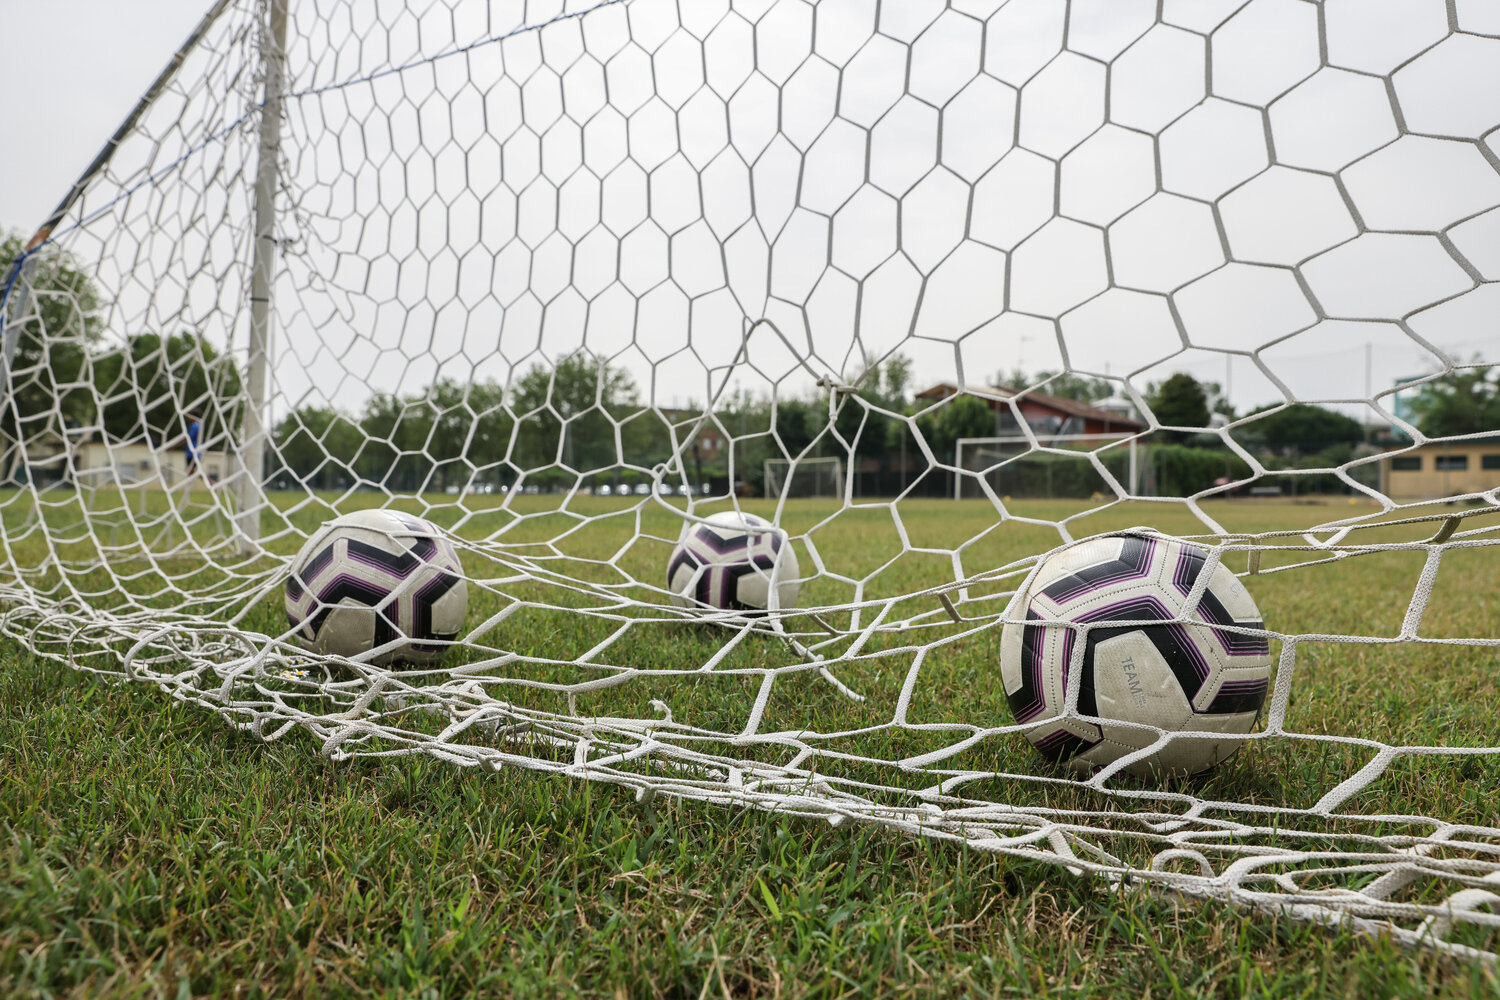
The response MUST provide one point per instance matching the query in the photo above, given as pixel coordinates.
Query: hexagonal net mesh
(990, 277)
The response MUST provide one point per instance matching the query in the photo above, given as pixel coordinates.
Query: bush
(1182, 470)
(1056, 476)
(1169, 469)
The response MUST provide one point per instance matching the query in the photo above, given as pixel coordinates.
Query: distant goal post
(981, 457)
(804, 477)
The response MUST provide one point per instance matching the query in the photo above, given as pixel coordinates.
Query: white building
(92, 462)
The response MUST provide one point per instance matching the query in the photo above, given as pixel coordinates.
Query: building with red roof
(1043, 413)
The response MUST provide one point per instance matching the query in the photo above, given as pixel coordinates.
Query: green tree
(959, 416)
(396, 432)
(149, 387)
(797, 424)
(491, 434)
(53, 333)
(1066, 385)
(315, 445)
(568, 414)
(454, 421)
(893, 380)
(1218, 402)
(968, 417)
(1302, 429)
(746, 418)
(451, 434)
(864, 423)
(1180, 401)
(645, 436)
(1461, 402)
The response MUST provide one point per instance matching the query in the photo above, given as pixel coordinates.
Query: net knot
(836, 385)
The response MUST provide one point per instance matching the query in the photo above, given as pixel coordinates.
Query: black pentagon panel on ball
(1030, 700)
(313, 568)
(1211, 609)
(399, 564)
(680, 559)
(1172, 641)
(1133, 563)
(301, 580)
(1062, 745)
(732, 574)
(423, 602)
(1233, 643)
(718, 544)
(703, 588)
(1234, 697)
(362, 592)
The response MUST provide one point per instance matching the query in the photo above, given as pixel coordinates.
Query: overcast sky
(71, 71)
(74, 68)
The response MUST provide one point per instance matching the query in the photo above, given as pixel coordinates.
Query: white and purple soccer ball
(1189, 673)
(731, 561)
(375, 577)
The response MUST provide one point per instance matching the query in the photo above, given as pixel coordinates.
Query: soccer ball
(374, 577)
(1180, 675)
(730, 561)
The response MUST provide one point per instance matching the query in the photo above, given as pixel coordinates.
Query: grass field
(151, 849)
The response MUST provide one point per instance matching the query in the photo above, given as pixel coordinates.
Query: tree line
(582, 415)
(66, 380)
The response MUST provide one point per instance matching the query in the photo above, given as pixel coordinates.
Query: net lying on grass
(562, 278)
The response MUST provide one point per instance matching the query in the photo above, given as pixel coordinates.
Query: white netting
(562, 277)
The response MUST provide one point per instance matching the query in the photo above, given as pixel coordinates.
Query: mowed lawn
(152, 849)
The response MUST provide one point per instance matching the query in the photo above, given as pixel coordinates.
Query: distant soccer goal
(1059, 465)
(804, 477)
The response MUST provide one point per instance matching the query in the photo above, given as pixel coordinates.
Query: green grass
(151, 850)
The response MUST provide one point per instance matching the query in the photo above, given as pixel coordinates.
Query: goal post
(252, 445)
(804, 477)
(975, 456)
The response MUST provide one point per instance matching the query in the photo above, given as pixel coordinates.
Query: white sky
(72, 70)
(67, 100)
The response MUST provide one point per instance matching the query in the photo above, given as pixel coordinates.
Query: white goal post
(565, 277)
(804, 477)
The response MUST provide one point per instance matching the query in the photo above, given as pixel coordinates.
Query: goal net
(806, 477)
(561, 277)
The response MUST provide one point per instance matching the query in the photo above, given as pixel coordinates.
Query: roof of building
(1061, 404)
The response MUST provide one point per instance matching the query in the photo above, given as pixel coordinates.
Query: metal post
(16, 296)
(262, 278)
(1364, 418)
